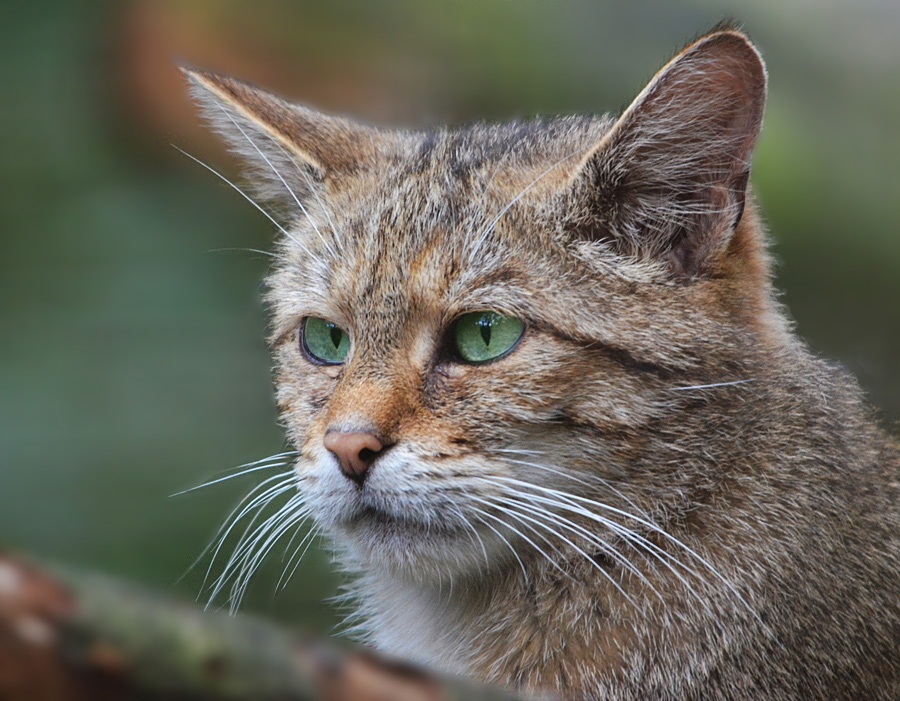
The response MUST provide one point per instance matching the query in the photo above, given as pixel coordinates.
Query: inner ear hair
(669, 179)
(290, 151)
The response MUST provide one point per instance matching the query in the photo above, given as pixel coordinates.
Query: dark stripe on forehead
(425, 151)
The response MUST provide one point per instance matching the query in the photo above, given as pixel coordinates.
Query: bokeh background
(132, 359)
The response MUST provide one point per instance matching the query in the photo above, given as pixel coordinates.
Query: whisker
(236, 249)
(581, 479)
(293, 518)
(246, 545)
(308, 539)
(498, 167)
(228, 520)
(501, 537)
(243, 562)
(649, 524)
(516, 516)
(581, 552)
(465, 521)
(634, 540)
(717, 384)
(313, 189)
(259, 503)
(228, 477)
(585, 534)
(643, 547)
(283, 181)
(490, 227)
(246, 197)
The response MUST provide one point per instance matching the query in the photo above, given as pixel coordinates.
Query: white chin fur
(399, 523)
(414, 555)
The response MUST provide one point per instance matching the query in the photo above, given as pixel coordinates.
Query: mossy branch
(71, 636)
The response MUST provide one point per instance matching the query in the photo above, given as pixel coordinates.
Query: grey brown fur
(661, 493)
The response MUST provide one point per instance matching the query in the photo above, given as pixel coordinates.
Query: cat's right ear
(291, 150)
(668, 181)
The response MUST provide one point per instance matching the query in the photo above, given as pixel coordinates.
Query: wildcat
(546, 405)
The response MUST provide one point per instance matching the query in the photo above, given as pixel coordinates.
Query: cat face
(617, 254)
(411, 261)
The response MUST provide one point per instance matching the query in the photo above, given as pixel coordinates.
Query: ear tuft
(668, 181)
(290, 149)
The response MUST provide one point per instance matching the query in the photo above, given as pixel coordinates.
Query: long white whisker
(501, 537)
(228, 520)
(585, 534)
(515, 515)
(233, 249)
(474, 531)
(259, 503)
(596, 478)
(634, 540)
(717, 384)
(486, 189)
(228, 477)
(246, 545)
(308, 539)
(490, 227)
(293, 518)
(577, 549)
(246, 197)
(268, 533)
(313, 189)
(283, 181)
(648, 524)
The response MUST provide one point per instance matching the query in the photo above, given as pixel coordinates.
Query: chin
(376, 542)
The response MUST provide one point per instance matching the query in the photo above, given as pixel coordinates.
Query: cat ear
(669, 180)
(291, 150)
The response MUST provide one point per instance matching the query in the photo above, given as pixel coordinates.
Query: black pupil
(336, 334)
(484, 324)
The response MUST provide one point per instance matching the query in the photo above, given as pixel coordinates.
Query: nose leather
(355, 452)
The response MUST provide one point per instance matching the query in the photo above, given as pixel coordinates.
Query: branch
(71, 636)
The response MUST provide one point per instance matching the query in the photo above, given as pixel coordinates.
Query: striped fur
(661, 493)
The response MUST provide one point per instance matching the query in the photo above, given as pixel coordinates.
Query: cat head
(473, 327)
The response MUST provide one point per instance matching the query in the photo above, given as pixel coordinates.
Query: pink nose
(355, 452)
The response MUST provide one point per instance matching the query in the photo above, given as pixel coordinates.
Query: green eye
(484, 336)
(324, 341)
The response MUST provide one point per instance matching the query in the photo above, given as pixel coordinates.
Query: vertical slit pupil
(484, 324)
(336, 334)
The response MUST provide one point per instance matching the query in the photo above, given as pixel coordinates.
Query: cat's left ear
(292, 150)
(668, 181)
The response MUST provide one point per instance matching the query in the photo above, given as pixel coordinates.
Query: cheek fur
(547, 381)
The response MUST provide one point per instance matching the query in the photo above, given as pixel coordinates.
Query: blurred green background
(133, 362)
